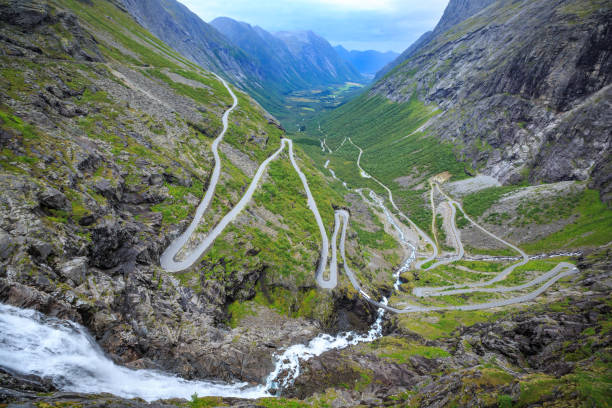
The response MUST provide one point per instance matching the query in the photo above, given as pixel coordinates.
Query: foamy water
(288, 364)
(63, 351)
(402, 238)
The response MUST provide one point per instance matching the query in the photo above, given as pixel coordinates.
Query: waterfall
(63, 351)
(287, 367)
(34, 344)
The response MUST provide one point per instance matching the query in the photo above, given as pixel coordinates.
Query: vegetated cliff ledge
(524, 87)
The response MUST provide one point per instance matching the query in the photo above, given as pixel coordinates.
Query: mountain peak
(459, 10)
(230, 22)
(456, 11)
(367, 62)
(290, 60)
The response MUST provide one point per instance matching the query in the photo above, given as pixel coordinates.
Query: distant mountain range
(267, 66)
(293, 60)
(184, 31)
(366, 62)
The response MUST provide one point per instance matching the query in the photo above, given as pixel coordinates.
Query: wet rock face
(107, 239)
(23, 296)
(536, 95)
(352, 313)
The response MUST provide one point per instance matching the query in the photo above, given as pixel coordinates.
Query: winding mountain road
(460, 250)
(436, 291)
(341, 219)
(425, 237)
(167, 259)
(561, 270)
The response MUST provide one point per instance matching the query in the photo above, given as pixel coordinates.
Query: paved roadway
(341, 220)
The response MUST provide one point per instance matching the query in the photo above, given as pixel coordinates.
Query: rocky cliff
(523, 86)
(455, 12)
(318, 60)
(198, 41)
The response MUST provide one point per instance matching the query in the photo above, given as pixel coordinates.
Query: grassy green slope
(402, 157)
(393, 149)
(588, 221)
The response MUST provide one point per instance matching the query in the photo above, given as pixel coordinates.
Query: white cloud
(376, 24)
(361, 5)
(379, 5)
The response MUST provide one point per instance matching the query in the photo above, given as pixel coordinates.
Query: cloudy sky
(356, 24)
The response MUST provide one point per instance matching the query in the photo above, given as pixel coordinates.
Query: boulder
(106, 188)
(40, 249)
(54, 199)
(174, 178)
(23, 296)
(75, 270)
(156, 179)
(113, 245)
(87, 220)
(105, 241)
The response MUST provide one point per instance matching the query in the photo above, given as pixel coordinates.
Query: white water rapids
(402, 239)
(62, 351)
(287, 367)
